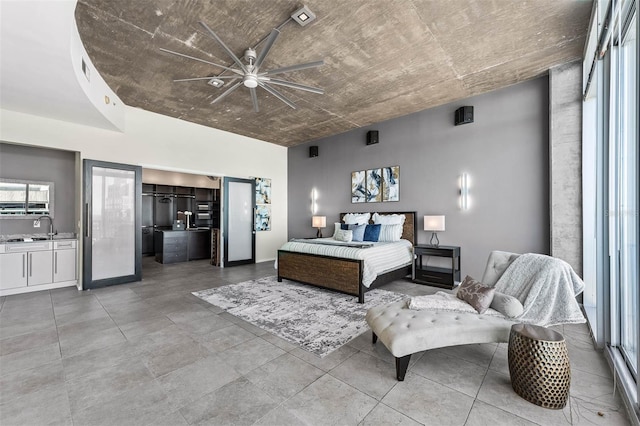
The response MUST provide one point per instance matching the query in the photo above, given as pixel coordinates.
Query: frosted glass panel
(240, 232)
(113, 228)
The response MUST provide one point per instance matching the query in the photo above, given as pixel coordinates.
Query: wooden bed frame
(337, 273)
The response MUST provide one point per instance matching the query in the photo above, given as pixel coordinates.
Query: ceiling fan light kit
(249, 72)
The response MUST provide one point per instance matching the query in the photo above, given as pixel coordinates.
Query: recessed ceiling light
(303, 16)
(216, 82)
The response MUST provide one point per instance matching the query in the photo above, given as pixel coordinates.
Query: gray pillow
(507, 305)
(476, 294)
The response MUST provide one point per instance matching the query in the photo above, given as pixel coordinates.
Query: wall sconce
(319, 222)
(434, 224)
(465, 202)
(314, 201)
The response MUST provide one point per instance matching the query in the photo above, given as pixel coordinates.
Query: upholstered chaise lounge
(406, 331)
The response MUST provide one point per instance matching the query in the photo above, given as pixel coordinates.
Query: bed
(339, 273)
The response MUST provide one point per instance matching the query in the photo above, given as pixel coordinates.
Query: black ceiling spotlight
(372, 137)
(464, 115)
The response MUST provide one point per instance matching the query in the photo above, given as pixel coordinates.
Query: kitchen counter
(182, 245)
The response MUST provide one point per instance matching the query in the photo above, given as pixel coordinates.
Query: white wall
(160, 142)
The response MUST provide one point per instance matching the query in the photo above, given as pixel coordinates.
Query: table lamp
(319, 222)
(434, 224)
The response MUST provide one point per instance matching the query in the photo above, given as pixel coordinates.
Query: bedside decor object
(434, 224)
(539, 365)
(319, 222)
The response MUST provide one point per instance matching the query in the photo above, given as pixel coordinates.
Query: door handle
(30, 264)
(55, 264)
(86, 220)
(24, 264)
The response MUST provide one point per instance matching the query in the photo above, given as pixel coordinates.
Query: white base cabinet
(64, 261)
(13, 270)
(40, 265)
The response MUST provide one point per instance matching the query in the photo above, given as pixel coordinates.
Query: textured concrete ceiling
(383, 58)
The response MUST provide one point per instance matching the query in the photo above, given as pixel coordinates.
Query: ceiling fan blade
(294, 68)
(267, 47)
(296, 86)
(202, 60)
(225, 94)
(254, 99)
(277, 94)
(205, 78)
(225, 47)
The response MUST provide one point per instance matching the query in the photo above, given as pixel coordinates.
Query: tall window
(610, 167)
(627, 216)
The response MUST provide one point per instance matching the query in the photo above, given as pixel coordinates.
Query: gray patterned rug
(318, 320)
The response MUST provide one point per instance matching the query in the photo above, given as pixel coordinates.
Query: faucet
(50, 233)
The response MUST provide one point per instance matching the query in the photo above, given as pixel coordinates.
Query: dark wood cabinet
(181, 246)
(441, 275)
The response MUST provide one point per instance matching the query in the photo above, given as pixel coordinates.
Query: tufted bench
(407, 331)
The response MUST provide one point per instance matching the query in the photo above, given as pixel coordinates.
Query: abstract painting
(263, 191)
(263, 218)
(391, 183)
(358, 187)
(374, 186)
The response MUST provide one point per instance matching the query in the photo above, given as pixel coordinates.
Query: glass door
(239, 232)
(112, 226)
(628, 198)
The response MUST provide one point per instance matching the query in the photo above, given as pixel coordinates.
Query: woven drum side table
(539, 365)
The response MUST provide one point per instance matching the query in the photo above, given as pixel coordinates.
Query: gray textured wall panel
(505, 152)
(565, 142)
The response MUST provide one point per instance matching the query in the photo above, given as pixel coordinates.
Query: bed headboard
(408, 229)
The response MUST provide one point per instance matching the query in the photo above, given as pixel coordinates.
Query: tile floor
(151, 353)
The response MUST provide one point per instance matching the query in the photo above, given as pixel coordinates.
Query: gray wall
(565, 149)
(505, 152)
(41, 164)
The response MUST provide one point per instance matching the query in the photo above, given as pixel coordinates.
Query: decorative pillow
(389, 219)
(337, 226)
(372, 233)
(343, 235)
(476, 294)
(354, 218)
(507, 305)
(358, 230)
(390, 232)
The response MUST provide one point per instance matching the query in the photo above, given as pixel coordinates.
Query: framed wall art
(376, 185)
(391, 183)
(358, 187)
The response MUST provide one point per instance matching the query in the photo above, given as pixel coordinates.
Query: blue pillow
(358, 230)
(372, 233)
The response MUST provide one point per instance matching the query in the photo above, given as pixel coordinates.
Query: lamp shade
(434, 223)
(319, 221)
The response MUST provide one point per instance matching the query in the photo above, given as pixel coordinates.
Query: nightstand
(439, 276)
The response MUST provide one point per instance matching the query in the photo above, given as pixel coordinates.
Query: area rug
(318, 320)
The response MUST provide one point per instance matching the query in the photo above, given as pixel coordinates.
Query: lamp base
(434, 236)
(319, 233)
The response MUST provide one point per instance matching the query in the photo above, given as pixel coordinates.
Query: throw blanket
(547, 288)
(442, 301)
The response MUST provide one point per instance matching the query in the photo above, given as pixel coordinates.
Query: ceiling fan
(250, 73)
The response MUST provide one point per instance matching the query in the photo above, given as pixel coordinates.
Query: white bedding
(380, 258)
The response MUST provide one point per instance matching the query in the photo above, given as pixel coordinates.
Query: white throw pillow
(507, 305)
(356, 218)
(336, 229)
(389, 219)
(345, 235)
(390, 233)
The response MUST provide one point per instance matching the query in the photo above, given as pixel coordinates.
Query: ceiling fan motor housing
(250, 81)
